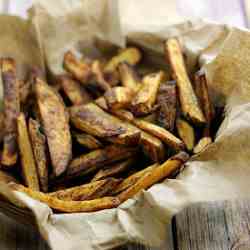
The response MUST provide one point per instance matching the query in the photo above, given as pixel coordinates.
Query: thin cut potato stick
(73, 90)
(129, 55)
(119, 97)
(79, 69)
(70, 206)
(202, 144)
(167, 101)
(88, 141)
(186, 133)
(27, 157)
(84, 192)
(144, 100)
(189, 103)
(132, 179)
(56, 125)
(155, 175)
(165, 136)
(38, 143)
(11, 111)
(112, 171)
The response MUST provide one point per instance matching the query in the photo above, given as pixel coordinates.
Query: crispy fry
(130, 55)
(74, 91)
(11, 110)
(70, 206)
(92, 190)
(167, 100)
(6, 177)
(114, 170)
(128, 76)
(155, 175)
(165, 136)
(202, 144)
(145, 99)
(27, 157)
(88, 141)
(186, 133)
(38, 143)
(56, 126)
(93, 120)
(99, 76)
(132, 179)
(90, 162)
(119, 97)
(189, 103)
(79, 69)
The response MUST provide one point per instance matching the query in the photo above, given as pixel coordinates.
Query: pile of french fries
(104, 131)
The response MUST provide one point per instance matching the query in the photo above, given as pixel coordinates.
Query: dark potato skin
(56, 126)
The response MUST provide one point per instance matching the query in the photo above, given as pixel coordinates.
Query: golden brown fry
(112, 171)
(119, 97)
(165, 136)
(56, 125)
(70, 206)
(88, 191)
(93, 120)
(128, 76)
(6, 177)
(201, 90)
(11, 110)
(27, 157)
(74, 91)
(167, 101)
(202, 144)
(96, 159)
(132, 179)
(130, 55)
(88, 141)
(38, 143)
(145, 99)
(186, 133)
(155, 175)
(188, 100)
(79, 69)
(99, 76)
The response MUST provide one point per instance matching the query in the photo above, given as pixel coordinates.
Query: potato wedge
(88, 141)
(186, 133)
(155, 175)
(201, 90)
(114, 170)
(92, 190)
(73, 90)
(144, 100)
(188, 100)
(99, 76)
(129, 79)
(165, 136)
(69, 206)
(132, 179)
(56, 126)
(90, 162)
(93, 120)
(119, 97)
(27, 158)
(202, 144)
(38, 143)
(80, 70)
(11, 111)
(129, 55)
(167, 101)
(7, 177)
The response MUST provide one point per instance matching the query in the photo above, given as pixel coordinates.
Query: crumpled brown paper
(222, 171)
